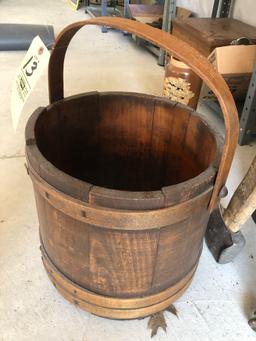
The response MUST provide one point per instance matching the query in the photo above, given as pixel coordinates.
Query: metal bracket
(248, 117)
(225, 8)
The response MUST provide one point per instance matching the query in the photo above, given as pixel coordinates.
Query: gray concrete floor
(221, 297)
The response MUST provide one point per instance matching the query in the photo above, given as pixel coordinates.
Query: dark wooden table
(205, 34)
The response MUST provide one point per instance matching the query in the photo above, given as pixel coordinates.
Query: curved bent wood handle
(181, 50)
(243, 202)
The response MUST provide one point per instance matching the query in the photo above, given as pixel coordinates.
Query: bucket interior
(125, 141)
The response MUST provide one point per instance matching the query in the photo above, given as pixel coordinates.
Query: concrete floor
(221, 297)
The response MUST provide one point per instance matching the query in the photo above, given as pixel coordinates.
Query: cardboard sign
(30, 70)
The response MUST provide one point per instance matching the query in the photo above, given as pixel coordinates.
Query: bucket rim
(90, 193)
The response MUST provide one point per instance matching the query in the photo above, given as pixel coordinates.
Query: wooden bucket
(124, 184)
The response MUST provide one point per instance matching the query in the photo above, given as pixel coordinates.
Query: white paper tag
(30, 70)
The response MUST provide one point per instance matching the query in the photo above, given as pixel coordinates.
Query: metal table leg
(126, 5)
(168, 15)
(104, 29)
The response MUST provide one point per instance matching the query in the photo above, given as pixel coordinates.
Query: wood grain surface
(123, 183)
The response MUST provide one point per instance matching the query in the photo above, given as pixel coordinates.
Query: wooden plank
(121, 263)
(179, 250)
(126, 200)
(169, 130)
(124, 146)
(65, 241)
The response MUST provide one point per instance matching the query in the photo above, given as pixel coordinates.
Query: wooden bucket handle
(181, 50)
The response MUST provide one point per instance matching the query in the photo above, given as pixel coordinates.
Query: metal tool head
(252, 322)
(223, 244)
(254, 216)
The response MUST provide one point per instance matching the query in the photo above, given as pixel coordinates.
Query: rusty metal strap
(172, 45)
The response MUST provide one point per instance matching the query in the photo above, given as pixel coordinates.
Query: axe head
(223, 244)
